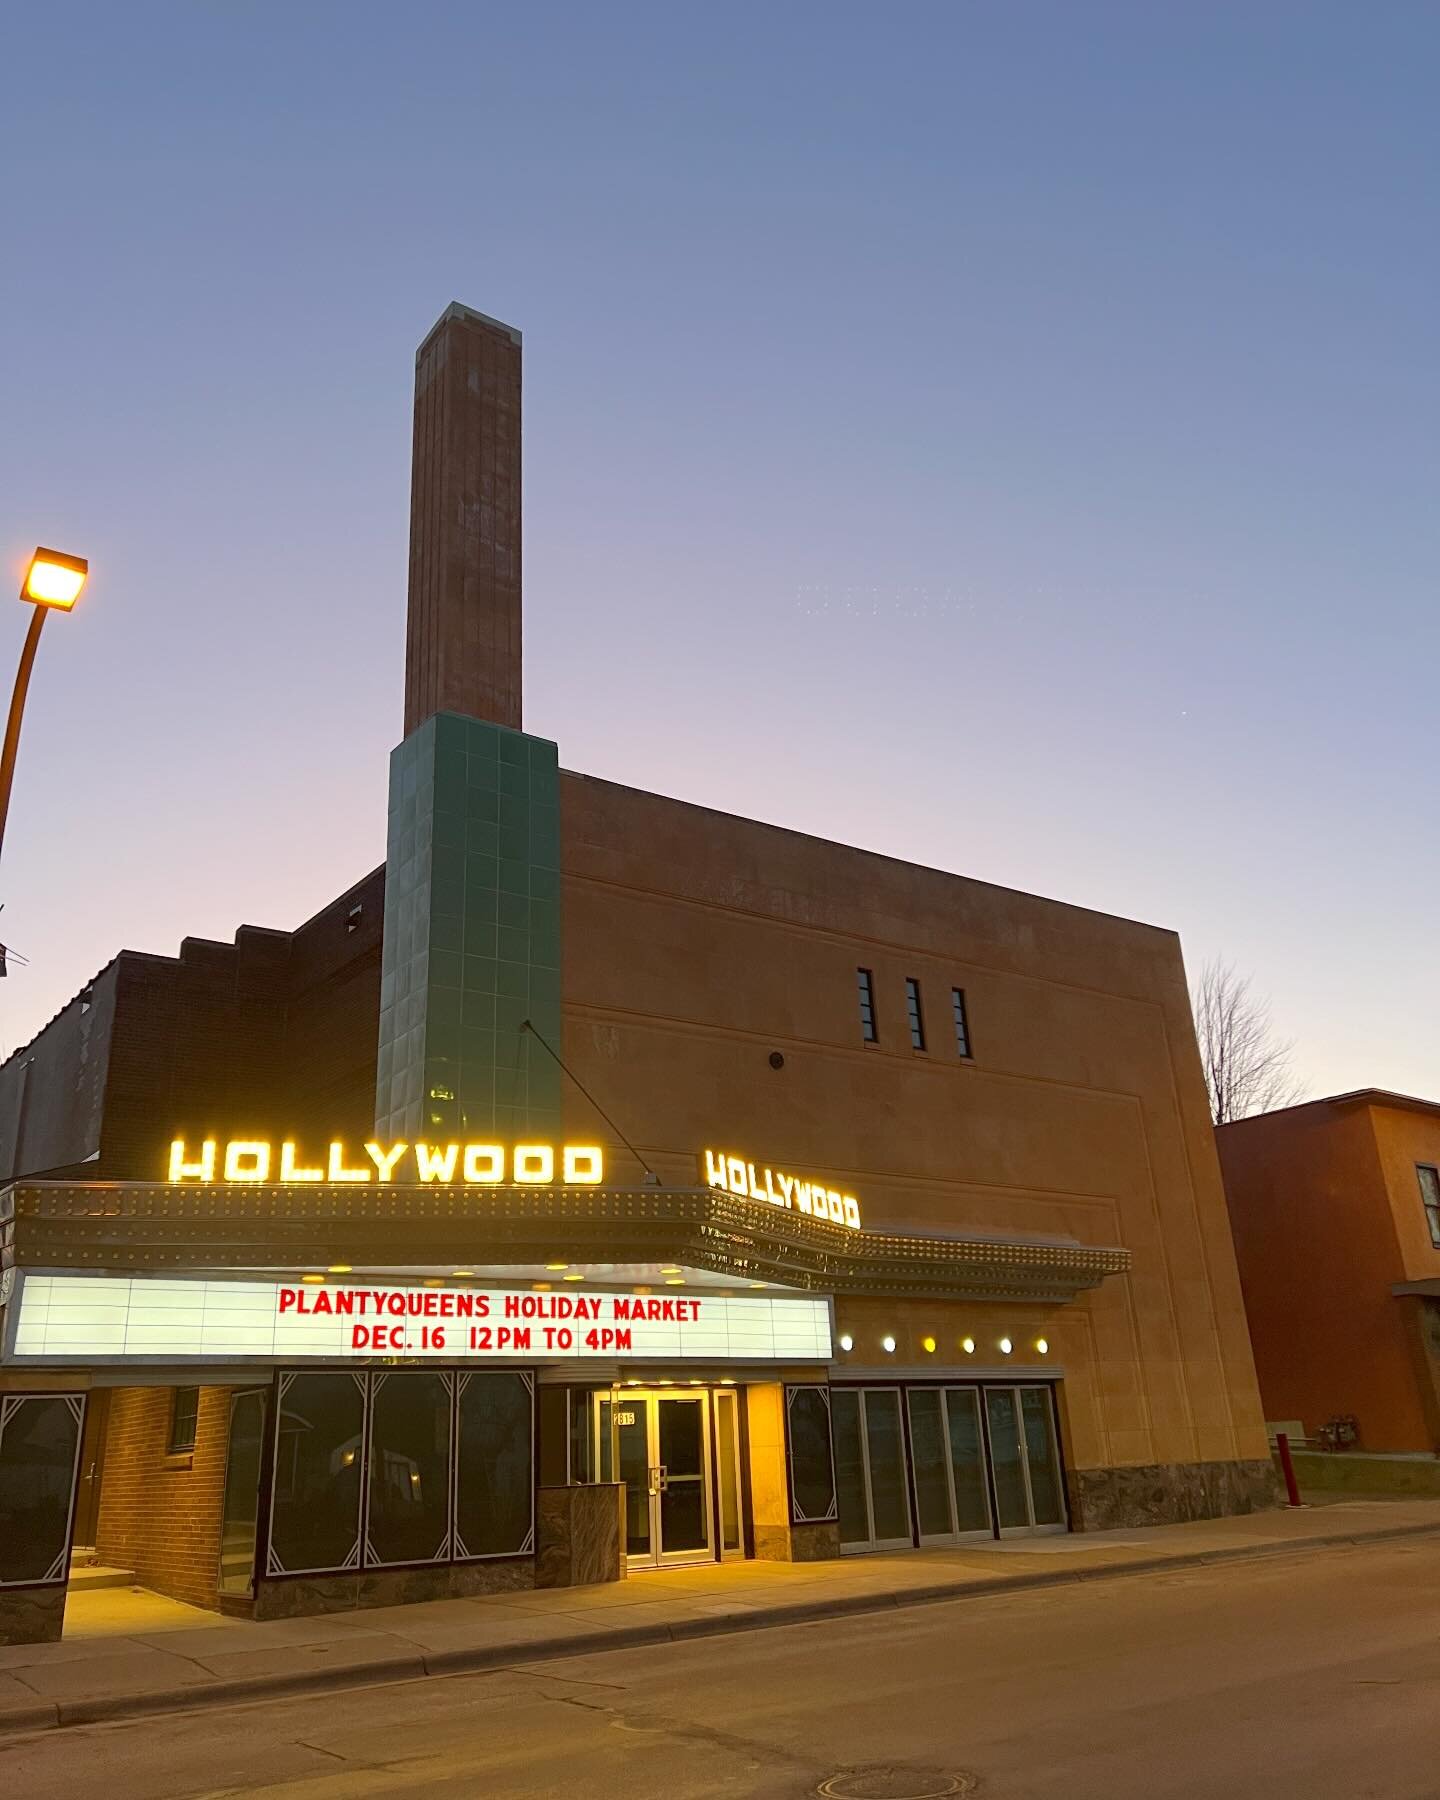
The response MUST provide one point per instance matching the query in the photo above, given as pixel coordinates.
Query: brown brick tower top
(462, 640)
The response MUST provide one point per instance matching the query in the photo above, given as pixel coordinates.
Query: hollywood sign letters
(800, 1193)
(482, 1165)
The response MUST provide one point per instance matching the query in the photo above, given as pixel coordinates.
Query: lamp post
(52, 582)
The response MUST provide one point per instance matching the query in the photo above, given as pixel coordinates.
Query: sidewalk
(130, 1652)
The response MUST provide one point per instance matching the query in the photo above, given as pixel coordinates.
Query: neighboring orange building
(1335, 1208)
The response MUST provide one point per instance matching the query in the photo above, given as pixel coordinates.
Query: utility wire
(525, 1025)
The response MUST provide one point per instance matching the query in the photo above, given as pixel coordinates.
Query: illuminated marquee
(120, 1319)
(252, 1160)
(806, 1194)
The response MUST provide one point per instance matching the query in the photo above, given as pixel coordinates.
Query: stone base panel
(1169, 1493)
(302, 1596)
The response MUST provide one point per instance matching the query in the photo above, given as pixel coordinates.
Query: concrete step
(96, 1575)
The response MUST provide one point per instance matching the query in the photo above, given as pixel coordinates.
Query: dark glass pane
(967, 1459)
(494, 1478)
(606, 1442)
(849, 1466)
(682, 1515)
(932, 1480)
(1005, 1456)
(409, 1516)
(812, 1476)
(726, 1458)
(682, 1436)
(632, 1434)
(315, 1522)
(582, 1436)
(242, 1492)
(39, 1441)
(1042, 1455)
(889, 1506)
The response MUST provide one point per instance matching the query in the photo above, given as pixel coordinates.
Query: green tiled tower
(472, 936)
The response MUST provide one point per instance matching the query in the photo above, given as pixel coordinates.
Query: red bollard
(1292, 1486)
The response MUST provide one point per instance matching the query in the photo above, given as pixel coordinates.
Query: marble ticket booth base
(580, 1534)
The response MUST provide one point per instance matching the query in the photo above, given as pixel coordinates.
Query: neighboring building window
(962, 1024)
(1430, 1194)
(184, 1412)
(912, 1007)
(867, 1006)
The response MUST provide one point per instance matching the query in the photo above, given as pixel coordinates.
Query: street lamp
(52, 581)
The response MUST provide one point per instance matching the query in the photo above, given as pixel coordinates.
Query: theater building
(601, 1184)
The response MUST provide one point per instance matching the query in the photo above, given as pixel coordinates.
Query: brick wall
(160, 1514)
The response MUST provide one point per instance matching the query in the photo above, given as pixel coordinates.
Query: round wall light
(888, 1345)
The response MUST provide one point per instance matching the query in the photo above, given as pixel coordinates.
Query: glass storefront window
(494, 1472)
(319, 1443)
(407, 1513)
(1042, 1455)
(889, 1504)
(812, 1470)
(967, 1459)
(932, 1479)
(1005, 1456)
(852, 1506)
(39, 1448)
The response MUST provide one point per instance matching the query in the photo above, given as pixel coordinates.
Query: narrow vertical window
(962, 1024)
(1430, 1195)
(867, 1006)
(912, 1008)
(184, 1417)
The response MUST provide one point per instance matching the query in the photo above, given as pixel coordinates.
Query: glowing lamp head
(54, 579)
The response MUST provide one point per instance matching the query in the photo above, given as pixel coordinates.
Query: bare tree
(1248, 1069)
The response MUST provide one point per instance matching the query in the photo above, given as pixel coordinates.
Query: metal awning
(137, 1226)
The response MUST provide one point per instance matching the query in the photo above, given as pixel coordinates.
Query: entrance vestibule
(677, 1451)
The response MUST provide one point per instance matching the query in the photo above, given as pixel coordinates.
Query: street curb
(52, 1715)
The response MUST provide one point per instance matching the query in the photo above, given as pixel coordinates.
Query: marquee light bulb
(968, 1346)
(1043, 1346)
(887, 1343)
(929, 1344)
(1006, 1346)
(846, 1341)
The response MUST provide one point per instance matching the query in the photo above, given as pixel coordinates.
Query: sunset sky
(1002, 436)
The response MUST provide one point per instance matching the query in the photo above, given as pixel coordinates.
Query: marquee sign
(119, 1319)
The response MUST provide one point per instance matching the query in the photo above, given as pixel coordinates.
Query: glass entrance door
(662, 1454)
(947, 1442)
(870, 1478)
(1025, 1458)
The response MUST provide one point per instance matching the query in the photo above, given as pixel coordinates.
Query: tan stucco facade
(698, 945)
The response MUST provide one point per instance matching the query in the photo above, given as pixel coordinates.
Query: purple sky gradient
(1001, 436)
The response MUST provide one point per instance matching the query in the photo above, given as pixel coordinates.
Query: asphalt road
(1315, 1677)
